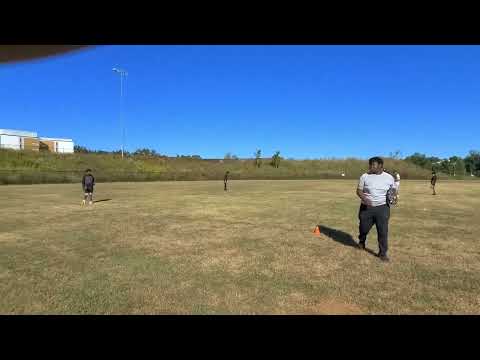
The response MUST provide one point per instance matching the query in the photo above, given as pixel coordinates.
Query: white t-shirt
(375, 187)
(397, 182)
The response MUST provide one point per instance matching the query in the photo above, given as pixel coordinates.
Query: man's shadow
(342, 238)
(97, 201)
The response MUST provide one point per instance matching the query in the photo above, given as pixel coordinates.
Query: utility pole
(122, 74)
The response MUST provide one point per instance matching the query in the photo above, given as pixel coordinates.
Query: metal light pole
(122, 74)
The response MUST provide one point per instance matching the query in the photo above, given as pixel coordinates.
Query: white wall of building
(10, 142)
(64, 147)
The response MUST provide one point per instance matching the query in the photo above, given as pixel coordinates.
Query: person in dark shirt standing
(225, 180)
(433, 181)
(88, 182)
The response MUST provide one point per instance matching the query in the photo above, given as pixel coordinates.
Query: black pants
(225, 185)
(378, 215)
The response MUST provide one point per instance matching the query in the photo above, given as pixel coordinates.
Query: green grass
(191, 248)
(24, 167)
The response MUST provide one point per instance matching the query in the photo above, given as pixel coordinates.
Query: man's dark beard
(378, 172)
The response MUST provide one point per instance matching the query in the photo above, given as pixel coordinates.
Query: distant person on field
(225, 180)
(88, 182)
(396, 177)
(433, 181)
(374, 209)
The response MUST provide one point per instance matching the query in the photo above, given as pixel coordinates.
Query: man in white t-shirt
(372, 190)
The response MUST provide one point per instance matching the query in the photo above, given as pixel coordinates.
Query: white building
(64, 146)
(28, 140)
(17, 139)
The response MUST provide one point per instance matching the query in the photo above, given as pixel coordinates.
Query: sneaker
(384, 258)
(361, 246)
(90, 203)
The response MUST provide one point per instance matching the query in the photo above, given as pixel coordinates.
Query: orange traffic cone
(317, 230)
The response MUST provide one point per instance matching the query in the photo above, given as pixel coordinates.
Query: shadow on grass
(97, 201)
(342, 238)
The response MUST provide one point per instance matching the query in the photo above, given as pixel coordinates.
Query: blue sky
(305, 101)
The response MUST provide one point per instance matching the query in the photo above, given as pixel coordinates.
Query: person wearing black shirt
(433, 181)
(88, 182)
(225, 180)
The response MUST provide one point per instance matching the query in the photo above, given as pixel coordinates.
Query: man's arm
(360, 192)
(362, 196)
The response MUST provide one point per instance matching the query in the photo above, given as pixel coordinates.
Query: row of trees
(149, 153)
(275, 160)
(454, 165)
(230, 156)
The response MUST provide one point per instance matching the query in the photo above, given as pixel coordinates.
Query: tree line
(454, 165)
(150, 153)
(146, 153)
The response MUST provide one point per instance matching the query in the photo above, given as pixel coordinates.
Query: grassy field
(191, 248)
